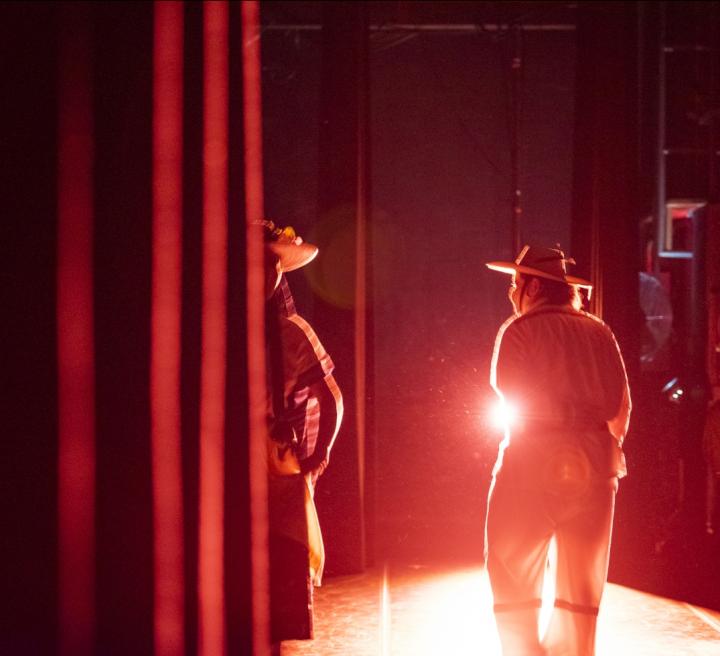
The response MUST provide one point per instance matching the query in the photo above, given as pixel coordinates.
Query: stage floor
(414, 611)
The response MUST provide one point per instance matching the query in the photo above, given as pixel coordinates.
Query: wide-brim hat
(543, 262)
(289, 247)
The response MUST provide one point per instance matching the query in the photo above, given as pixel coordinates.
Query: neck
(531, 307)
(529, 304)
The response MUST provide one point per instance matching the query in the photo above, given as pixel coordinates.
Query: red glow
(252, 113)
(165, 350)
(75, 346)
(678, 213)
(212, 383)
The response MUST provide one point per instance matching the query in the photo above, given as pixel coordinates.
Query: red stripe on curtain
(252, 114)
(169, 614)
(212, 633)
(75, 343)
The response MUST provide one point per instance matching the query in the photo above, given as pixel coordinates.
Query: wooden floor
(415, 611)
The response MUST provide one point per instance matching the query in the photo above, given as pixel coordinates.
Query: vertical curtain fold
(257, 408)
(75, 342)
(212, 629)
(169, 605)
(160, 514)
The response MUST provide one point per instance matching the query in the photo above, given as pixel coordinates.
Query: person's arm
(330, 405)
(618, 425)
(508, 370)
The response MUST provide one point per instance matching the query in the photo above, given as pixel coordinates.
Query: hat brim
(511, 267)
(293, 256)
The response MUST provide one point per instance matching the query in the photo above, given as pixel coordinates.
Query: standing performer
(557, 473)
(304, 415)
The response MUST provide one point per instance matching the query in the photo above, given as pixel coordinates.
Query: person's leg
(583, 547)
(291, 615)
(518, 533)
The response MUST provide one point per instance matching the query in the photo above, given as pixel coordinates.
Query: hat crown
(273, 232)
(551, 261)
(543, 262)
(287, 246)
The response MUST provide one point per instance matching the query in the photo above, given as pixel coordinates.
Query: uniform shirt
(562, 367)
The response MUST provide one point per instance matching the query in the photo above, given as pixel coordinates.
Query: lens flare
(503, 414)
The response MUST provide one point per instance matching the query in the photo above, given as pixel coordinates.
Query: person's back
(556, 475)
(561, 365)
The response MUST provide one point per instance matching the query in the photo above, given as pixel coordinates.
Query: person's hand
(282, 431)
(315, 471)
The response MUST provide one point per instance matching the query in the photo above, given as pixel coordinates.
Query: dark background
(447, 117)
(441, 191)
(442, 134)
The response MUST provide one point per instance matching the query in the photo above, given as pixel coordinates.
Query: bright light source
(673, 391)
(503, 414)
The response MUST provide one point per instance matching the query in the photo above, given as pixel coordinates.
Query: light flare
(385, 615)
(504, 415)
(451, 614)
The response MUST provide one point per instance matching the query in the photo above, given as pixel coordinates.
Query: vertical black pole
(516, 70)
(340, 317)
(694, 378)
(605, 199)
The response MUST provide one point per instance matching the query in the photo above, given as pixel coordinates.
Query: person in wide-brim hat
(304, 413)
(560, 379)
(543, 262)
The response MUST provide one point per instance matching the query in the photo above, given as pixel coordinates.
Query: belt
(567, 423)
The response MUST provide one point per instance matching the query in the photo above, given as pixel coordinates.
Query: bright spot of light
(548, 590)
(447, 613)
(673, 390)
(503, 414)
(385, 615)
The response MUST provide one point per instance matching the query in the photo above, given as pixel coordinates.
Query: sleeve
(331, 412)
(618, 425)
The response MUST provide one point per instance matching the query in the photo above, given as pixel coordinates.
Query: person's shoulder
(597, 330)
(592, 317)
(542, 313)
(511, 331)
(296, 327)
(505, 326)
(596, 321)
(550, 312)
